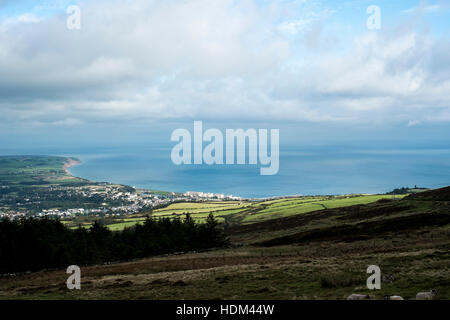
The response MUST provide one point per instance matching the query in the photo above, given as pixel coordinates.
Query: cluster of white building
(209, 195)
(12, 216)
(137, 201)
(65, 213)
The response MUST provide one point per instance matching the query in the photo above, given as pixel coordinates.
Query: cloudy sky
(143, 63)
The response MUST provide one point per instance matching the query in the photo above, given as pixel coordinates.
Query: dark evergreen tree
(36, 244)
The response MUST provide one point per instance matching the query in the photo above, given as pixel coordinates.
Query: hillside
(442, 194)
(321, 254)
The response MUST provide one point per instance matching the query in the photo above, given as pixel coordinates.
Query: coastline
(70, 162)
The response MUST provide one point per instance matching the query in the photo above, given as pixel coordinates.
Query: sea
(309, 170)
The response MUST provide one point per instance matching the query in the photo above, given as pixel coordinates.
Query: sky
(137, 69)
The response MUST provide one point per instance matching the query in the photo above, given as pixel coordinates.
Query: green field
(247, 212)
(240, 212)
(286, 208)
(35, 171)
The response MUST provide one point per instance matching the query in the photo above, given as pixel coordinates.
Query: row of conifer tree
(36, 244)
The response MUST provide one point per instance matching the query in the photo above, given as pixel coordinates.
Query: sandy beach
(70, 163)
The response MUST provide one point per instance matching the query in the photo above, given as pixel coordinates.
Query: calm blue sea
(307, 170)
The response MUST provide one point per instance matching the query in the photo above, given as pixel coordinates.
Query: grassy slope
(242, 212)
(317, 255)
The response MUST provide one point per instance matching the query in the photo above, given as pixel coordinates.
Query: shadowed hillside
(442, 194)
(314, 255)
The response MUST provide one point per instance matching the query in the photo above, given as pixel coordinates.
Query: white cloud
(423, 8)
(294, 27)
(25, 18)
(307, 18)
(213, 60)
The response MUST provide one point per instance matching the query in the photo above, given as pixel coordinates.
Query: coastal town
(96, 200)
(42, 186)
